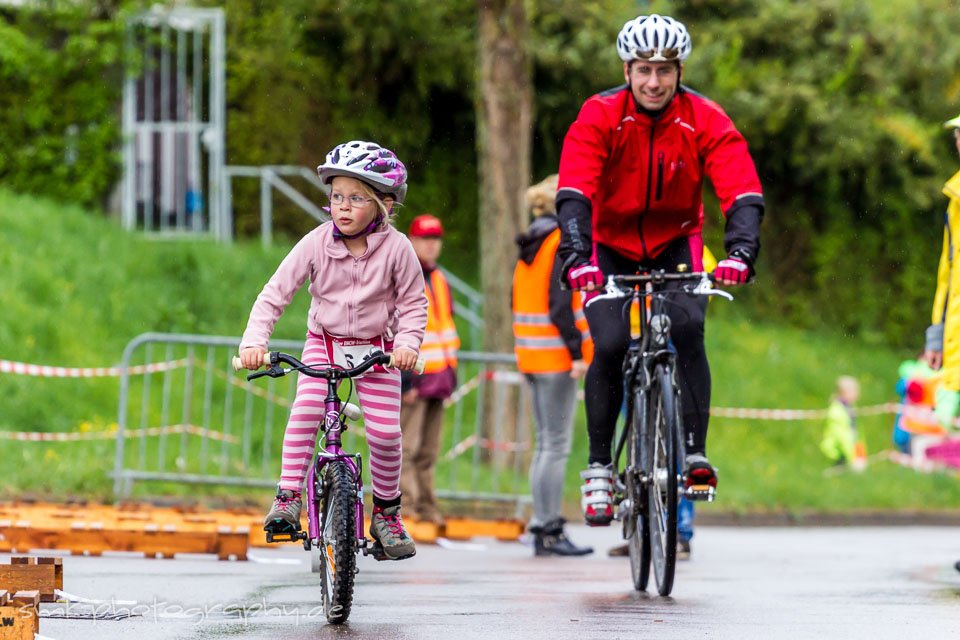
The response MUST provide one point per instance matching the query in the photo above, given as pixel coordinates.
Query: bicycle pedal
(285, 536)
(375, 549)
(701, 492)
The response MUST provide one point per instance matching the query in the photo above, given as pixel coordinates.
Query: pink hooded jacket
(381, 292)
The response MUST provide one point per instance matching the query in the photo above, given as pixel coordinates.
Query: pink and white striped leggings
(379, 395)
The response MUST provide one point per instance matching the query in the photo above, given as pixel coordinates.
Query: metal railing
(468, 306)
(270, 179)
(230, 431)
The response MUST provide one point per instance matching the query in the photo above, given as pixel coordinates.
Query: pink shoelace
(393, 523)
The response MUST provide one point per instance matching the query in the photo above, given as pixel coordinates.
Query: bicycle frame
(332, 450)
(641, 359)
(639, 353)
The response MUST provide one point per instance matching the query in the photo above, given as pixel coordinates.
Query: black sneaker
(550, 540)
(683, 549)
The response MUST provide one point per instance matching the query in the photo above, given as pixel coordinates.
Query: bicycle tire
(636, 526)
(338, 540)
(663, 477)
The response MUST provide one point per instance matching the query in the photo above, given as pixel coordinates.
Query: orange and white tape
(888, 408)
(75, 436)
(45, 371)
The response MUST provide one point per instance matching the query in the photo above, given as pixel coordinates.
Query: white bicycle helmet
(369, 162)
(653, 38)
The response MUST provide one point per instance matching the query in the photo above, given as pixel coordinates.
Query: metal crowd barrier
(230, 432)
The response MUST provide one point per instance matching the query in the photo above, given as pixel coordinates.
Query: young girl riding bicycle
(367, 291)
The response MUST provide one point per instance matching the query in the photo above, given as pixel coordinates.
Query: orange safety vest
(538, 344)
(440, 341)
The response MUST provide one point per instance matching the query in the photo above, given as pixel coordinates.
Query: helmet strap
(340, 235)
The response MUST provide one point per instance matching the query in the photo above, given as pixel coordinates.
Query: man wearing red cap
(421, 414)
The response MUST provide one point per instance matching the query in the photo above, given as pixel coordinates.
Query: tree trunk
(504, 122)
(504, 106)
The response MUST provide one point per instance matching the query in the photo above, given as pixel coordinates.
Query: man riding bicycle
(631, 176)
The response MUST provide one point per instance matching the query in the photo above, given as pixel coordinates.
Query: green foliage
(62, 78)
(841, 102)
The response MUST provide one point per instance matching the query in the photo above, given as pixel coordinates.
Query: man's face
(653, 83)
(427, 248)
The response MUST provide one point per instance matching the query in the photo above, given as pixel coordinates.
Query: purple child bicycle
(334, 502)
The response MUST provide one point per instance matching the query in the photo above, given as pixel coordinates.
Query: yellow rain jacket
(946, 302)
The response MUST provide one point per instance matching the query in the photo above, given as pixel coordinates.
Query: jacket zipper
(659, 175)
(643, 243)
(353, 306)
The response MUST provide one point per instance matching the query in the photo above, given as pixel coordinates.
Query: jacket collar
(661, 116)
(337, 249)
(952, 188)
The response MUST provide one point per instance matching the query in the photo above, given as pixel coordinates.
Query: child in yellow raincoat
(840, 442)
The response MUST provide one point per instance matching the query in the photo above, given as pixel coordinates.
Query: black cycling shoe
(550, 540)
(683, 549)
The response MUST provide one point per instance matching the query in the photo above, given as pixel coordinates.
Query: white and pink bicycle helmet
(369, 162)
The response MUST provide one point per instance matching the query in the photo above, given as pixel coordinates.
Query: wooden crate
(33, 574)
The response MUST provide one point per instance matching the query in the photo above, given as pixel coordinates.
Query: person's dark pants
(610, 330)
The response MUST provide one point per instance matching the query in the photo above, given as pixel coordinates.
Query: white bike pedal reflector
(351, 411)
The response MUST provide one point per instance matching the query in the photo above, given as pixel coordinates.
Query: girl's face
(352, 208)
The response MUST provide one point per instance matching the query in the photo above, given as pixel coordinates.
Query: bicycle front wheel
(636, 526)
(663, 425)
(338, 540)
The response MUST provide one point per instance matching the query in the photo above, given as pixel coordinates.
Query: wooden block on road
(94, 541)
(232, 543)
(466, 528)
(25, 573)
(20, 616)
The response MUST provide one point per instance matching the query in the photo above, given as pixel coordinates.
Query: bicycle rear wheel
(663, 476)
(338, 540)
(636, 527)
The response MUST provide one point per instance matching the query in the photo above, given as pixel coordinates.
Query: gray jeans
(554, 401)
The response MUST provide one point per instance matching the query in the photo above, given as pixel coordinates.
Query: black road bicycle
(653, 476)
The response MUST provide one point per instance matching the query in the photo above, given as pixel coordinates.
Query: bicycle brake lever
(705, 288)
(274, 372)
(610, 292)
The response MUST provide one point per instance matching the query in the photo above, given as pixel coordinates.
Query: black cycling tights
(611, 333)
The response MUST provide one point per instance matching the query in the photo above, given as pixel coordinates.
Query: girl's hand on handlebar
(252, 357)
(404, 359)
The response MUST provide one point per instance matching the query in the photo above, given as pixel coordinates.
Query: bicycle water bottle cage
(660, 329)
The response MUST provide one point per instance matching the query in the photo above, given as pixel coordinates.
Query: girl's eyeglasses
(355, 201)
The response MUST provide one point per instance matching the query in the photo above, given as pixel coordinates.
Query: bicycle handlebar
(622, 286)
(273, 358)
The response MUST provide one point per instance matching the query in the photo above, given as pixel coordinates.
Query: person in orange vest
(421, 410)
(553, 349)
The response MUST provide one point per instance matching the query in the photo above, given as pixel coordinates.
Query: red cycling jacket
(643, 177)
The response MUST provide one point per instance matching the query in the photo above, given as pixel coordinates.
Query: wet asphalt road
(741, 583)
